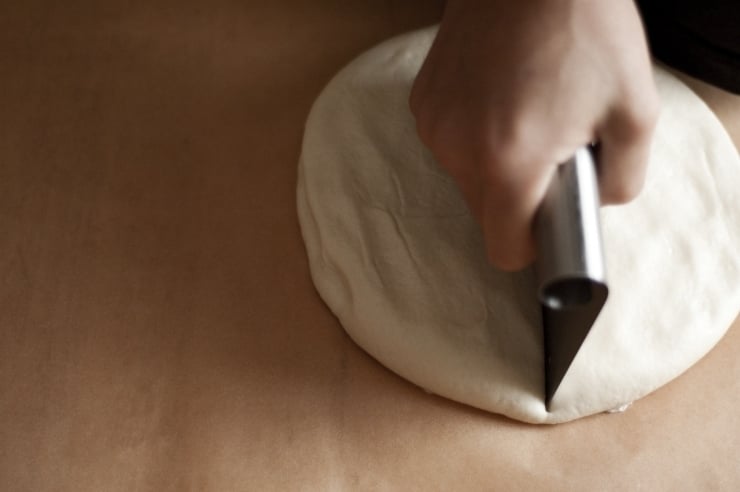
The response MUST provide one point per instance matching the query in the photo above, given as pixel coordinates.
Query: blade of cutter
(565, 330)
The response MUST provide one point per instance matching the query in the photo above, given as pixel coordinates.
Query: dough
(395, 254)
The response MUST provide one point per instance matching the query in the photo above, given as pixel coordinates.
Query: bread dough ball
(397, 257)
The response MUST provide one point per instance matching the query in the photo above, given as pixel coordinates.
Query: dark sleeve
(701, 38)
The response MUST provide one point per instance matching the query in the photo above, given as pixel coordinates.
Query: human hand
(511, 89)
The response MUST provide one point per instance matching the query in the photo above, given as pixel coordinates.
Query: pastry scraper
(570, 269)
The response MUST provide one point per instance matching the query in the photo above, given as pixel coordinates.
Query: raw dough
(398, 259)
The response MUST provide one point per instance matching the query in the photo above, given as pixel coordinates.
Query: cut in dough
(396, 256)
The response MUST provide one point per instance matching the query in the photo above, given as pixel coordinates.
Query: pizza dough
(395, 254)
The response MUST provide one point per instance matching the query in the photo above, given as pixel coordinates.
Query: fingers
(508, 212)
(507, 232)
(511, 198)
(502, 185)
(624, 150)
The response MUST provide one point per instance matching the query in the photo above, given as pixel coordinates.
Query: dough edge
(335, 290)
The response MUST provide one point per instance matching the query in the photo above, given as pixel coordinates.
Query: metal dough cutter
(570, 269)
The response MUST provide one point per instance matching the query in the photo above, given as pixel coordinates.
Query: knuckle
(640, 121)
(503, 159)
(509, 183)
(510, 142)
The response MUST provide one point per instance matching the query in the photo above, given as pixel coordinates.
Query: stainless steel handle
(570, 258)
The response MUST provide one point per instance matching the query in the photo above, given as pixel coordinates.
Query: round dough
(396, 256)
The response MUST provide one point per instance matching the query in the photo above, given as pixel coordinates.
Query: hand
(510, 89)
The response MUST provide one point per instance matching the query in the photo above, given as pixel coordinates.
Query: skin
(510, 89)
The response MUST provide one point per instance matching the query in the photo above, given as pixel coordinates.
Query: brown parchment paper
(158, 326)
